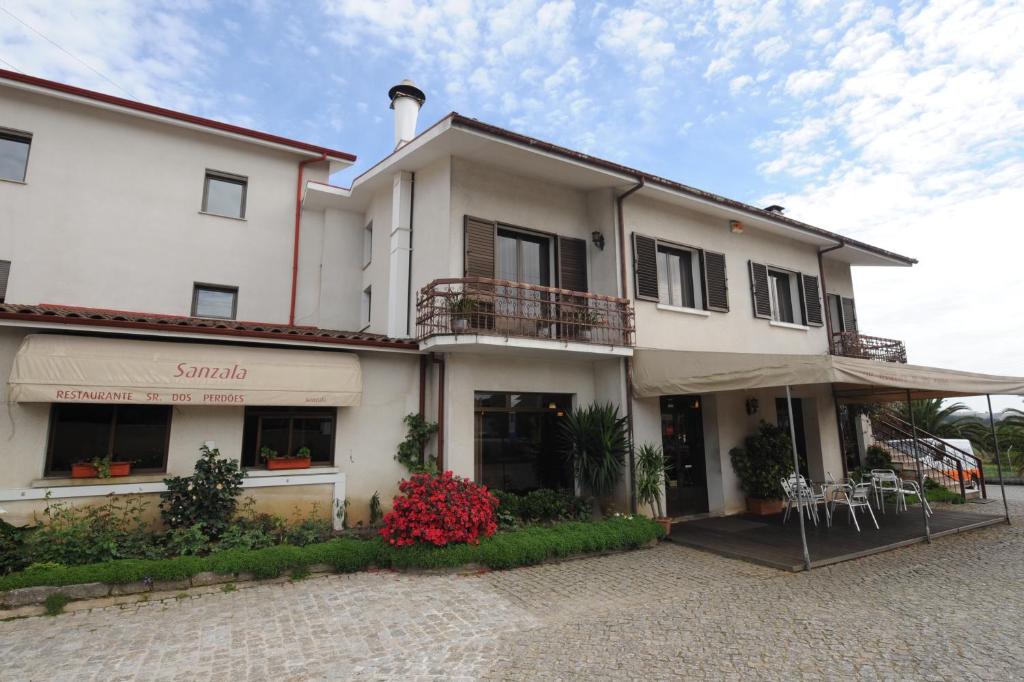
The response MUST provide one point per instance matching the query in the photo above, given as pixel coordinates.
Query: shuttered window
(572, 264)
(759, 290)
(849, 315)
(5, 273)
(810, 296)
(479, 241)
(715, 281)
(645, 267)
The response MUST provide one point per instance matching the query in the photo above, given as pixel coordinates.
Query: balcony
(854, 345)
(482, 310)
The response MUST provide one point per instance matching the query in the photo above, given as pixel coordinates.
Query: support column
(796, 470)
(920, 474)
(401, 248)
(999, 463)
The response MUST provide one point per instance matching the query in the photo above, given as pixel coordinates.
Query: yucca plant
(651, 466)
(595, 439)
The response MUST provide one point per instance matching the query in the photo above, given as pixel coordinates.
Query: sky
(901, 124)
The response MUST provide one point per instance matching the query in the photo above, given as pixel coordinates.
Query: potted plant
(651, 466)
(300, 460)
(584, 320)
(100, 467)
(460, 308)
(765, 459)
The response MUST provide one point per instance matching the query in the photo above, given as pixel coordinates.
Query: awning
(81, 369)
(667, 372)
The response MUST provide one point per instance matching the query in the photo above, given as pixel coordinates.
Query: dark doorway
(682, 437)
(517, 441)
(782, 418)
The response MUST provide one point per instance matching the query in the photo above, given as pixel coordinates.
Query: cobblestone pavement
(952, 609)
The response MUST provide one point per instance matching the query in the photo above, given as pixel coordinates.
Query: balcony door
(526, 258)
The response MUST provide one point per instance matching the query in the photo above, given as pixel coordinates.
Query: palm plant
(595, 439)
(651, 466)
(931, 416)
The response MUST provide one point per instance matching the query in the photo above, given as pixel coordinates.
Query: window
(676, 283)
(366, 307)
(212, 300)
(5, 274)
(785, 296)
(516, 441)
(14, 155)
(368, 244)
(286, 429)
(781, 289)
(224, 194)
(135, 433)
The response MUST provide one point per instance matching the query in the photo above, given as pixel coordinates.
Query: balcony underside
(486, 343)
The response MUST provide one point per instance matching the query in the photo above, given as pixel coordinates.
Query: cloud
(806, 81)
(770, 49)
(640, 35)
(738, 84)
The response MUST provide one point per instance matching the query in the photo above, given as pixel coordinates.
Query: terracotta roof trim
(172, 114)
(173, 323)
(464, 121)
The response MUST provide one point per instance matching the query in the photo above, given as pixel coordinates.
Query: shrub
(12, 540)
(91, 533)
(764, 460)
(207, 498)
(877, 458)
(651, 465)
(540, 506)
(439, 509)
(595, 439)
(308, 530)
(410, 451)
(55, 603)
(187, 541)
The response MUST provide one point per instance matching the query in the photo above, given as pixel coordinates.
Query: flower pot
(288, 463)
(460, 324)
(89, 471)
(666, 523)
(760, 507)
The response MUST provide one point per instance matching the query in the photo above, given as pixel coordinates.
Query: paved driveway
(954, 609)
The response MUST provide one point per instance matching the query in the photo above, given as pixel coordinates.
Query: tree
(595, 440)
(931, 416)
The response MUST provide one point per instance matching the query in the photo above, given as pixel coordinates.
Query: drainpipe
(439, 361)
(623, 290)
(295, 243)
(408, 296)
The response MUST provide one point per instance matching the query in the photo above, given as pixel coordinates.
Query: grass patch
(55, 603)
(522, 547)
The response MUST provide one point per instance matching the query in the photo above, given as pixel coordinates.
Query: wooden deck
(766, 541)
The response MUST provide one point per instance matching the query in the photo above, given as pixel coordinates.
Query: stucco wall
(110, 217)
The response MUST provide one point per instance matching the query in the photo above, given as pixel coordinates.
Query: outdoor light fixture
(751, 406)
(552, 406)
(598, 239)
(736, 227)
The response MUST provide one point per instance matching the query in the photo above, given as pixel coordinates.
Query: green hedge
(503, 550)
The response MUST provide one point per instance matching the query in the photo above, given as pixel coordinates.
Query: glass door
(525, 258)
(682, 437)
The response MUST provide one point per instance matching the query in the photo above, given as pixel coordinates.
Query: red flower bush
(440, 509)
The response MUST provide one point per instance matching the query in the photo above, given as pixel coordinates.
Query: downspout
(828, 330)
(408, 296)
(439, 361)
(295, 243)
(623, 290)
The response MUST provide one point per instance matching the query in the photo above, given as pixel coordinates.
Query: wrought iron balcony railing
(494, 307)
(854, 345)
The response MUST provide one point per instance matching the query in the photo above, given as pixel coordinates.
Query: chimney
(406, 100)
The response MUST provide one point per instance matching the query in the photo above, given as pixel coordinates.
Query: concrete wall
(109, 215)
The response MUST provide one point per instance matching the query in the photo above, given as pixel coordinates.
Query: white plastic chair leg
(872, 516)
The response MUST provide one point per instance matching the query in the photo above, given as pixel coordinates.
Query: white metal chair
(885, 482)
(795, 486)
(853, 496)
(908, 487)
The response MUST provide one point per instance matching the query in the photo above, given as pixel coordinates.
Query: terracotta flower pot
(666, 523)
(760, 507)
(288, 463)
(85, 470)
(120, 468)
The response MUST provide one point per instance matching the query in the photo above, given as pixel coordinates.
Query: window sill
(13, 182)
(218, 215)
(67, 481)
(686, 311)
(311, 471)
(790, 325)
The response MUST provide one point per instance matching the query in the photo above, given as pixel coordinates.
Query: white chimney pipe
(406, 100)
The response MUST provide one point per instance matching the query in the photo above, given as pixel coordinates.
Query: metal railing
(943, 463)
(494, 307)
(854, 345)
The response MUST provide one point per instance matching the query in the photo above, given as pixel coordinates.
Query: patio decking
(765, 540)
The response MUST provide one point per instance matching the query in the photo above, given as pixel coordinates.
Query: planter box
(666, 523)
(761, 507)
(89, 471)
(288, 463)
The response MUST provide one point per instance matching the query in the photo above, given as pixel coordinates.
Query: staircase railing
(952, 466)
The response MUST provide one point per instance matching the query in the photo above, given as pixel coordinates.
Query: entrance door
(682, 437)
(782, 412)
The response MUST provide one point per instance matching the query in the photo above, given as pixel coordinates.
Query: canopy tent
(669, 372)
(84, 369)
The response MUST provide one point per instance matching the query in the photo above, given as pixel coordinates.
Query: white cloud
(770, 49)
(740, 83)
(803, 82)
(636, 33)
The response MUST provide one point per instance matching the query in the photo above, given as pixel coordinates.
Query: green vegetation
(411, 450)
(55, 603)
(503, 550)
(765, 459)
(651, 466)
(596, 440)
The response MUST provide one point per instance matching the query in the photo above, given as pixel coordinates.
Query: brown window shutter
(759, 290)
(572, 264)
(645, 267)
(714, 281)
(5, 272)
(810, 295)
(849, 315)
(479, 240)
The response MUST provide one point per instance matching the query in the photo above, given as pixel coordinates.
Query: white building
(487, 280)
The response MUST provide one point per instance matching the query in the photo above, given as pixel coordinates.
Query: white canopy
(668, 372)
(84, 369)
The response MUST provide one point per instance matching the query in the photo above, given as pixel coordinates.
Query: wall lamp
(736, 227)
(598, 239)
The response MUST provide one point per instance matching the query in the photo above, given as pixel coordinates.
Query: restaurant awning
(81, 369)
(667, 372)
